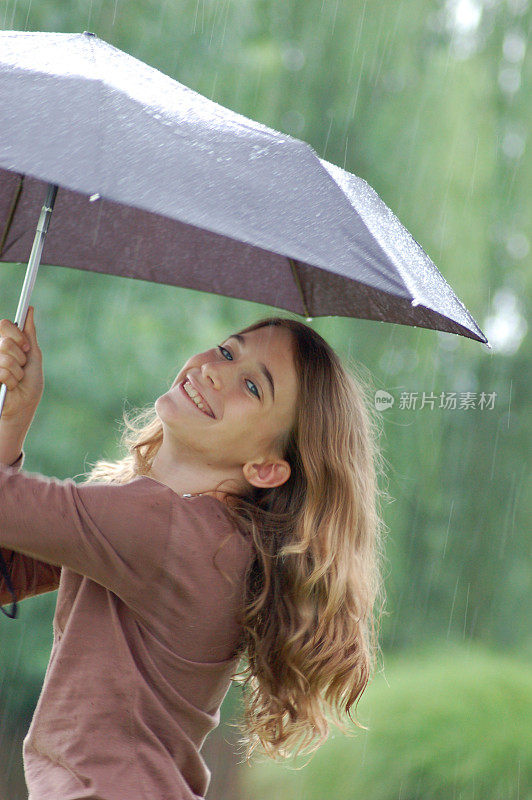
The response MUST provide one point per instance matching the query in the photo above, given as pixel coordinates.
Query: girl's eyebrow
(264, 369)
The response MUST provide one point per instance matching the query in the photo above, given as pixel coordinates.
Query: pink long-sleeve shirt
(145, 632)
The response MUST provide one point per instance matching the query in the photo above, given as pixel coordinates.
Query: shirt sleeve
(115, 534)
(29, 576)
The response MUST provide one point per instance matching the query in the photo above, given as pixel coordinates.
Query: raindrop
(293, 58)
(509, 79)
(465, 14)
(448, 527)
(448, 341)
(465, 614)
(513, 144)
(518, 7)
(411, 359)
(518, 245)
(514, 47)
(495, 446)
(392, 362)
(89, 18)
(258, 151)
(293, 122)
(463, 47)
(330, 114)
(506, 327)
(462, 18)
(452, 607)
(27, 15)
(393, 81)
(464, 380)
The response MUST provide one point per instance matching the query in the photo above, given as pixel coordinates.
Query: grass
(452, 723)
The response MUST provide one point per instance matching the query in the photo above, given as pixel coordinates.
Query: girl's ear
(266, 475)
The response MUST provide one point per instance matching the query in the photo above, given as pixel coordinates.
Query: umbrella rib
(11, 213)
(299, 287)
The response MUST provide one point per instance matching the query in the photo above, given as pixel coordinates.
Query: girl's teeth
(194, 395)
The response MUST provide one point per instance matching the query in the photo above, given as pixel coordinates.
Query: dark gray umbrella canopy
(191, 194)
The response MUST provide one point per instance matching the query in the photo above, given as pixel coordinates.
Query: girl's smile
(190, 399)
(249, 384)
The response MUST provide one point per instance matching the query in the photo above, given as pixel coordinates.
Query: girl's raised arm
(22, 373)
(115, 534)
(29, 576)
(21, 370)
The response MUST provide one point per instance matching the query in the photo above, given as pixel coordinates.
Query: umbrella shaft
(33, 266)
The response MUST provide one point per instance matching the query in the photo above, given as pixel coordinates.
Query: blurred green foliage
(451, 722)
(428, 101)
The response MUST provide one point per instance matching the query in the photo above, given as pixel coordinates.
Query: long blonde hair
(314, 590)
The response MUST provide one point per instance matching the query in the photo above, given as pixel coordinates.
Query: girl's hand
(20, 369)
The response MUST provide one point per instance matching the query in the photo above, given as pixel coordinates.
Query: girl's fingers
(29, 327)
(10, 368)
(10, 348)
(7, 378)
(8, 330)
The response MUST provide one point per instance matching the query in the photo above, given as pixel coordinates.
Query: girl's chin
(175, 405)
(166, 407)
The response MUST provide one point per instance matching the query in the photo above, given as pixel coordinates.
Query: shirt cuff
(19, 462)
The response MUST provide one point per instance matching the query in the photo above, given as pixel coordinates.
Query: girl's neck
(184, 481)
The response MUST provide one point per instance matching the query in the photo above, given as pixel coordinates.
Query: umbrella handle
(33, 266)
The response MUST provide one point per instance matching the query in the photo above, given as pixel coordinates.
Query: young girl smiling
(242, 527)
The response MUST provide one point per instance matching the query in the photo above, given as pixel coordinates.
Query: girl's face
(249, 382)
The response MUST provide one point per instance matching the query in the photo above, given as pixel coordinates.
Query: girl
(243, 523)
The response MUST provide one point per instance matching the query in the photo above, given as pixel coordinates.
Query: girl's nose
(210, 372)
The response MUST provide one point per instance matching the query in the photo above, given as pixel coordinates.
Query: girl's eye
(255, 392)
(224, 350)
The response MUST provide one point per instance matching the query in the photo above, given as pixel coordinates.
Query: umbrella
(148, 179)
(188, 193)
